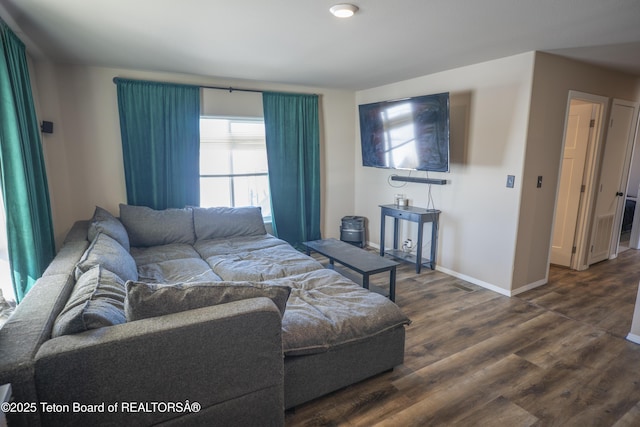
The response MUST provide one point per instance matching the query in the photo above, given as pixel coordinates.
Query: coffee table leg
(365, 281)
(392, 284)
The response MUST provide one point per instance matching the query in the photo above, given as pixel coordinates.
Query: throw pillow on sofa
(108, 224)
(220, 222)
(96, 300)
(108, 252)
(149, 299)
(150, 227)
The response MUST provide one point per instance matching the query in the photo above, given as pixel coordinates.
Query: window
(233, 163)
(6, 284)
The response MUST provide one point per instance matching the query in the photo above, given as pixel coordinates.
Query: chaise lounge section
(186, 306)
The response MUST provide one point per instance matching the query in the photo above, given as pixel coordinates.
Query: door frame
(579, 131)
(634, 239)
(590, 176)
(626, 168)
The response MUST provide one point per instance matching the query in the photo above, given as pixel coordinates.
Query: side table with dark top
(420, 216)
(356, 259)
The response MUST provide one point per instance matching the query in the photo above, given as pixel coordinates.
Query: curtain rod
(229, 88)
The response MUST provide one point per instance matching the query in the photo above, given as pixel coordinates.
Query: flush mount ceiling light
(343, 10)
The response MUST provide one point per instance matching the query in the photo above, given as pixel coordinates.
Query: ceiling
(300, 42)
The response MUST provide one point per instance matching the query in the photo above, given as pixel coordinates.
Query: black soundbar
(420, 180)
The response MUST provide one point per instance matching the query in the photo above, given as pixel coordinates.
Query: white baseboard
(475, 281)
(481, 283)
(530, 286)
(633, 338)
(494, 288)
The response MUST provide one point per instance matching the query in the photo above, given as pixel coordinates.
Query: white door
(579, 124)
(613, 181)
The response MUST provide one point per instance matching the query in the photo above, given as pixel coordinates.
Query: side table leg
(392, 284)
(419, 247)
(396, 231)
(434, 243)
(382, 221)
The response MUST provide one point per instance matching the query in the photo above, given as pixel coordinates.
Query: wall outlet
(511, 180)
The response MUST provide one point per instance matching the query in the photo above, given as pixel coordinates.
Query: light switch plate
(511, 179)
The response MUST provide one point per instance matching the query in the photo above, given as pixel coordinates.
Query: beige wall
(489, 115)
(84, 156)
(502, 112)
(507, 118)
(554, 77)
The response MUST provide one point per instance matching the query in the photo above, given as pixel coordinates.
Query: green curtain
(293, 152)
(24, 182)
(160, 129)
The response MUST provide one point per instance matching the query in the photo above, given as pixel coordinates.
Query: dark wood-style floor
(553, 356)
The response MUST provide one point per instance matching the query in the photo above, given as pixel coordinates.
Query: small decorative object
(400, 200)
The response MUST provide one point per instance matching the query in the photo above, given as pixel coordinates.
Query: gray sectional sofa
(188, 317)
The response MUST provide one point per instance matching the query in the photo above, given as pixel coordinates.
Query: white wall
(479, 220)
(84, 155)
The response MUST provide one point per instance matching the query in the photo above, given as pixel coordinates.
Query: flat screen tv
(410, 133)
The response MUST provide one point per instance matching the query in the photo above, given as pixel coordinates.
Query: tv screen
(411, 133)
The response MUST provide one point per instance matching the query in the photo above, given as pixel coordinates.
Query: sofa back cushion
(221, 222)
(110, 254)
(97, 300)
(149, 299)
(150, 227)
(104, 222)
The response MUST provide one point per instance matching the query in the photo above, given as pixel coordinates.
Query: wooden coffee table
(356, 259)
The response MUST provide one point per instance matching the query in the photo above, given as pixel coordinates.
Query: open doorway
(612, 185)
(582, 139)
(594, 173)
(630, 230)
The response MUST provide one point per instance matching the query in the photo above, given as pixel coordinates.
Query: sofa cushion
(254, 258)
(177, 271)
(219, 222)
(150, 227)
(172, 263)
(149, 299)
(106, 251)
(108, 224)
(97, 300)
(170, 252)
(326, 310)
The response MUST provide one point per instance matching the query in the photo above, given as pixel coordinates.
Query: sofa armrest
(211, 356)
